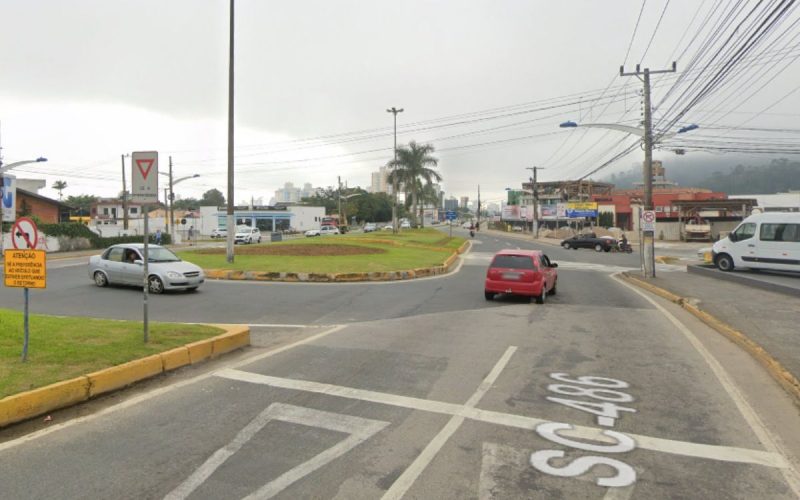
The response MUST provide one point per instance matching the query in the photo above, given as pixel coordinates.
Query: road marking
(756, 425)
(403, 483)
(360, 429)
(160, 391)
(696, 450)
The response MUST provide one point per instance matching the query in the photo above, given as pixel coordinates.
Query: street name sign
(450, 215)
(25, 268)
(144, 176)
(649, 220)
(24, 234)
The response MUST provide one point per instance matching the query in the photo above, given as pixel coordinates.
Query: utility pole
(394, 111)
(171, 226)
(535, 218)
(124, 195)
(230, 213)
(648, 237)
(478, 225)
(339, 178)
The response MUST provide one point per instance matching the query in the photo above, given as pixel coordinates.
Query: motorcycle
(624, 247)
(471, 233)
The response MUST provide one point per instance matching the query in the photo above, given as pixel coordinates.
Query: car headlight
(174, 275)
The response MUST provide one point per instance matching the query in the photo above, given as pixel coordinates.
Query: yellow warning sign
(25, 268)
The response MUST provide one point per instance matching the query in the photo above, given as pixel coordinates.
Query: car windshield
(513, 261)
(161, 254)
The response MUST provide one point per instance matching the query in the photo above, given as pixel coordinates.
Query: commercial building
(47, 210)
(266, 218)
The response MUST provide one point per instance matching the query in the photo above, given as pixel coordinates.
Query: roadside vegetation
(62, 348)
(349, 253)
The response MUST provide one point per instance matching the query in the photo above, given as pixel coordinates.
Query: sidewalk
(768, 319)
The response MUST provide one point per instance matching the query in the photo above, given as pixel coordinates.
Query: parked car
(528, 273)
(387, 227)
(219, 232)
(769, 240)
(247, 235)
(311, 232)
(405, 225)
(590, 240)
(328, 230)
(370, 227)
(124, 265)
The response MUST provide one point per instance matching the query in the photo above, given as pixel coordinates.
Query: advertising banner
(511, 212)
(581, 209)
(8, 198)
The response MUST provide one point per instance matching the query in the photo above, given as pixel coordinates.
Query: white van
(768, 240)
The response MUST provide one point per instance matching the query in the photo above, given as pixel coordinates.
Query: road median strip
(29, 404)
(777, 371)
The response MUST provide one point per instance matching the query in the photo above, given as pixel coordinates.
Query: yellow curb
(28, 404)
(777, 371)
(175, 358)
(119, 376)
(25, 405)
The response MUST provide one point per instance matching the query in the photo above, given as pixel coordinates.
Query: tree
(213, 197)
(82, 203)
(413, 168)
(186, 204)
(60, 186)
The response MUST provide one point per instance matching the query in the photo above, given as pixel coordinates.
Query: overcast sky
(485, 82)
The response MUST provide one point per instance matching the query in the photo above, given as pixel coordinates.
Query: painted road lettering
(599, 388)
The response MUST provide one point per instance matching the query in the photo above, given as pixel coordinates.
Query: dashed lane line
(696, 450)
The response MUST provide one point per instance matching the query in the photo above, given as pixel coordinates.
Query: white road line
(158, 392)
(403, 483)
(697, 450)
(360, 429)
(759, 429)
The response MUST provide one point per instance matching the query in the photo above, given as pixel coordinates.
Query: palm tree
(413, 167)
(60, 186)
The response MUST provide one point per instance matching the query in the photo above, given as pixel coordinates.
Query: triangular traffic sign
(144, 166)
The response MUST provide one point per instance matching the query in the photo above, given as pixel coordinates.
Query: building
(266, 218)
(111, 209)
(47, 210)
(291, 194)
(464, 202)
(380, 181)
(451, 204)
(778, 202)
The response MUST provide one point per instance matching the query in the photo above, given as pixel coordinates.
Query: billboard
(8, 198)
(514, 197)
(581, 209)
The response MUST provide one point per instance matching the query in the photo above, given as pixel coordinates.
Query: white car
(370, 227)
(387, 227)
(219, 232)
(466, 225)
(405, 225)
(323, 231)
(247, 235)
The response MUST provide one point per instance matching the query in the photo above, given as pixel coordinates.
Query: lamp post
(171, 226)
(646, 133)
(394, 112)
(345, 198)
(4, 196)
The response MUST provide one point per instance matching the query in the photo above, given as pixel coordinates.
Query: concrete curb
(29, 404)
(446, 267)
(712, 272)
(777, 371)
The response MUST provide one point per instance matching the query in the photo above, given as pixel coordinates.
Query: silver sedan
(124, 265)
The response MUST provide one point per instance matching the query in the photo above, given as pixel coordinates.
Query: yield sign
(144, 176)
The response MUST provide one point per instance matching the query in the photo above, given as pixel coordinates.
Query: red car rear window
(513, 261)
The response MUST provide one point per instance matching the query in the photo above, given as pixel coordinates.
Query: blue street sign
(450, 215)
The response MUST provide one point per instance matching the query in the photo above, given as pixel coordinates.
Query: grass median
(349, 253)
(62, 348)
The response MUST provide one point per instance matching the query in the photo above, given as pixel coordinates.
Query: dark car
(589, 240)
(521, 272)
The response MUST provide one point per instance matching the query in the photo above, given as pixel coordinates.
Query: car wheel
(100, 279)
(542, 296)
(553, 290)
(488, 295)
(598, 248)
(259, 239)
(155, 285)
(566, 246)
(724, 262)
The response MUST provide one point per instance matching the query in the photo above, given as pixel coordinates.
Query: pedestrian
(158, 236)
(191, 234)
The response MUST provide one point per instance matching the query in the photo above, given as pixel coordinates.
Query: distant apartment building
(291, 194)
(464, 202)
(380, 181)
(451, 204)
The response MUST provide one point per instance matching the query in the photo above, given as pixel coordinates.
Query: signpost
(25, 267)
(648, 224)
(649, 220)
(144, 176)
(8, 202)
(450, 215)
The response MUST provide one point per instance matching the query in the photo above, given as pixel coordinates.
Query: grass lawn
(62, 348)
(409, 249)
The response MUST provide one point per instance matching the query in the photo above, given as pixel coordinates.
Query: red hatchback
(521, 272)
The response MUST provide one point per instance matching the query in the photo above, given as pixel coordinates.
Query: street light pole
(535, 225)
(394, 111)
(171, 227)
(124, 195)
(230, 221)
